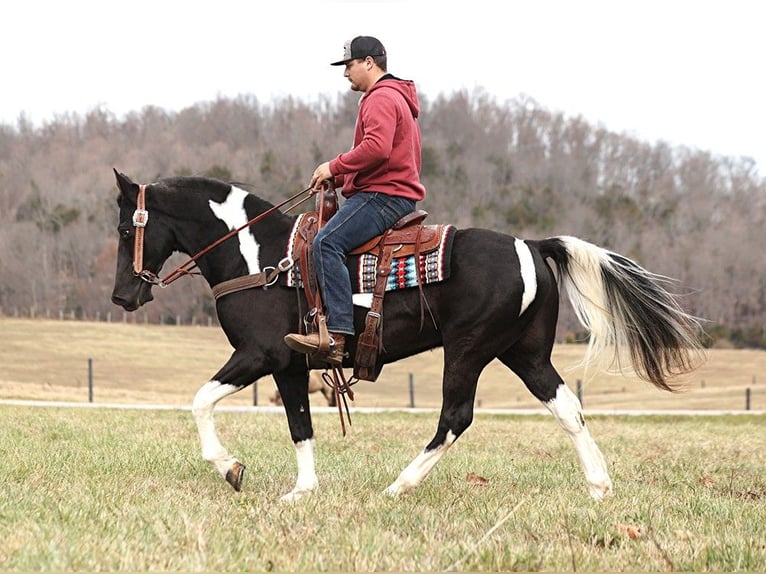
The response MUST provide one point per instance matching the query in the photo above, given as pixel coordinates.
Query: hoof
(295, 495)
(235, 475)
(393, 491)
(601, 492)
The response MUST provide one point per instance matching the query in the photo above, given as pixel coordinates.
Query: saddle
(407, 237)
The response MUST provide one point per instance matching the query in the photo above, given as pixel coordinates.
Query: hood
(405, 87)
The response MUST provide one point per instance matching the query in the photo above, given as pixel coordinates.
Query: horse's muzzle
(131, 303)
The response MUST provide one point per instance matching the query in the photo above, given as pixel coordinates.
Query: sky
(688, 73)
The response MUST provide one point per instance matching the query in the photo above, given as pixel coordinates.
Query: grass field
(110, 489)
(116, 489)
(135, 363)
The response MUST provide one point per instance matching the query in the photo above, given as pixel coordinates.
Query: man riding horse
(379, 177)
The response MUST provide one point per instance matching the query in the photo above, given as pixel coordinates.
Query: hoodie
(385, 157)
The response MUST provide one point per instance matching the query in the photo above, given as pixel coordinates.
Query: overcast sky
(689, 73)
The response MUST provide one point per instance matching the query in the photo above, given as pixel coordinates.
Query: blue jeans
(360, 218)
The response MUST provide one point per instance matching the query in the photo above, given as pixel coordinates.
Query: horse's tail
(626, 308)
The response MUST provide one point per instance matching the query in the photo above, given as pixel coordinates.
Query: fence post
(255, 394)
(747, 399)
(579, 391)
(90, 380)
(412, 391)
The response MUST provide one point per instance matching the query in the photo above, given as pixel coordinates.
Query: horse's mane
(193, 183)
(178, 189)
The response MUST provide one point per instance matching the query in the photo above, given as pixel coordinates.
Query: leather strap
(140, 217)
(306, 261)
(324, 334)
(368, 346)
(244, 282)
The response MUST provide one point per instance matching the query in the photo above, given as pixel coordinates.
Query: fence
(411, 387)
(407, 396)
(145, 317)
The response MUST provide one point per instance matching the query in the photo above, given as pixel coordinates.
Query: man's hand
(320, 176)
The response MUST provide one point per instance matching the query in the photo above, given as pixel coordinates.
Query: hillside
(514, 167)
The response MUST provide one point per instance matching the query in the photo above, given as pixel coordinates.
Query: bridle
(141, 217)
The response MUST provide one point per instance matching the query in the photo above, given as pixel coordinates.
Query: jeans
(360, 218)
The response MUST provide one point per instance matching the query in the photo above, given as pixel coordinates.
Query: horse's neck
(253, 248)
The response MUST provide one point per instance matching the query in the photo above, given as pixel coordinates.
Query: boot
(309, 344)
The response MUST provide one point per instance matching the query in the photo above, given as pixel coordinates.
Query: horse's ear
(123, 182)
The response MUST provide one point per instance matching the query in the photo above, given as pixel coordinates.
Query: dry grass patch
(133, 363)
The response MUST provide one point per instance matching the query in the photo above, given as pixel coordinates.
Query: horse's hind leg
(461, 375)
(567, 409)
(546, 385)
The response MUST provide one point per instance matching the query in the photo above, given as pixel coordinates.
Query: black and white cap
(359, 48)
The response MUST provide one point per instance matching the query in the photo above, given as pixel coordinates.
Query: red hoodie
(385, 157)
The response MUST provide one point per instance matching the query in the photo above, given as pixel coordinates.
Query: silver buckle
(285, 264)
(374, 315)
(140, 217)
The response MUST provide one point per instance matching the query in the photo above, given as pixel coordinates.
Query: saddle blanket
(432, 266)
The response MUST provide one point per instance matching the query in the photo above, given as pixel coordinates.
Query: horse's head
(130, 290)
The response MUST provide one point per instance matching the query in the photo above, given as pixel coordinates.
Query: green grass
(101, 489)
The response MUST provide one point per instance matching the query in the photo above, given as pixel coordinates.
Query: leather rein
(141, 217)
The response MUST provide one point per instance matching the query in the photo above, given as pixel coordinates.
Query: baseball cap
(360, 47)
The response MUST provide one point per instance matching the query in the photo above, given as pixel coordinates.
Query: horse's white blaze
(419, 468)
(307, 478)
(202, 409)
(232, 213)
(528, 276)
(567, 409)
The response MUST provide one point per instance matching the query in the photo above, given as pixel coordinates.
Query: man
(380, 181)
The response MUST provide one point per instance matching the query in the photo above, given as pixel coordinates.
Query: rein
(141, 216)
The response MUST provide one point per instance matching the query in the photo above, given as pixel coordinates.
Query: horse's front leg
(212, 450)
(293, 387)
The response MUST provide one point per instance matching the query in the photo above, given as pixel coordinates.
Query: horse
(500, 301)
(316, 385)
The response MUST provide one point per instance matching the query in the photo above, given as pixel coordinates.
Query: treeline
(516, 167)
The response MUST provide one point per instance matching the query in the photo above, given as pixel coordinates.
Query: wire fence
(145, 317)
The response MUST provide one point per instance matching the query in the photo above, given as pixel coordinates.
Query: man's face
(357, 72)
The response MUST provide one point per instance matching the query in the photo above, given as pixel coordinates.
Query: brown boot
(309, 344)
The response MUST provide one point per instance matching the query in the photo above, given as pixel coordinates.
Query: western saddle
(406, 237)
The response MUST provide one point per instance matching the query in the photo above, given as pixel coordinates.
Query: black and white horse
(501, 301)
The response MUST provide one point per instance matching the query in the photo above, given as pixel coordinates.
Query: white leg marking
(419, 468)
(202, 409)
(567, 409)
(528, 275)
(232, 213)
(307, 478)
